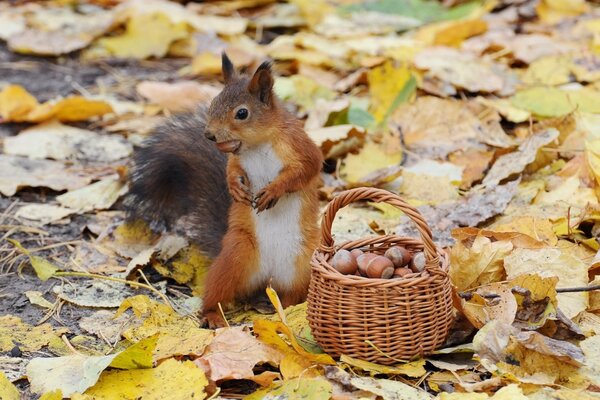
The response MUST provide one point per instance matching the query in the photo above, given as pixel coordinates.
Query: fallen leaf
(553, 102)
(171, 379)
(36, 297)
(479, 264)
(435, 127)
(44, 269)
(414, 369)
(384, 388)
(178, 96)
(480, 310)
(548, 71)
(571, 272)
(234, 352)
(515, 162)
(17, 173)
(61, 142)
(336, 141)
(100, 195)
(76, 373)
(43, 213)
(16, 103)
(562, 350)
(147, 35)
(295, 389)
(466, 71)
(372, 156)
(178, 335)
(591, 368)
(8, 391)
(72, 31)
(389, 87)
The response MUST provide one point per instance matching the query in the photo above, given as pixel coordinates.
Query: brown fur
(268, 122)
(180, 176)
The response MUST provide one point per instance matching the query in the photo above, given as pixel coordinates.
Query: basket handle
(432, 260)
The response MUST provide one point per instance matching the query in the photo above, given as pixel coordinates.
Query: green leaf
(423, 10)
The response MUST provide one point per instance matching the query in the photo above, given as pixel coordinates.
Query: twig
(110, 278)
(578, 289)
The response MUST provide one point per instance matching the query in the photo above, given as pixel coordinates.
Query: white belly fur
(277, 229)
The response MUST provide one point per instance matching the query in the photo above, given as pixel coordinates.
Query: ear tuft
(227, 67)
(261, 84)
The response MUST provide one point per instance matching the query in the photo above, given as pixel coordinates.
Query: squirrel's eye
(242, 113)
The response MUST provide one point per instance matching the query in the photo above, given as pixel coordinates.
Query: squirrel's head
(242, 115)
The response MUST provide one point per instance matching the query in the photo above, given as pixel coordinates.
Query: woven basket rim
(319, 264)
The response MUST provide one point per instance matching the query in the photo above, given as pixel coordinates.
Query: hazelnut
(344, 263)
(356, 252)
(399, 256)
(380, 267)
(417, 264)
(401, 272)
(363, 262)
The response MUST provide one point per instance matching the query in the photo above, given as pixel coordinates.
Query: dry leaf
(61, 142)
(178, 96)
(234, 352)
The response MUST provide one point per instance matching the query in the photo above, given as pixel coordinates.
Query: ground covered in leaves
(484, 115)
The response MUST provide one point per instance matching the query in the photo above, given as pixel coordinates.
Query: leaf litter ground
(483, 115)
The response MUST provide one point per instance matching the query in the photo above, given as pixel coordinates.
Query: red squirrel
(257, 210)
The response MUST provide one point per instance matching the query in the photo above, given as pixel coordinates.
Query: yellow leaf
(16, 103)
(8, 391)
(178, 335)
(592, 156)
(506, 109)
(414, 369)
(53, 395)
(136, 356)
(147, 35)
(457, 31)
(389, 86)
(570, 270)
(428, 189)
(551, 71)
(70, 109)
(170, 380)
(295, 389)
(537, 228)
(313, 10)
(554, 102)
(206, 63)
(44, 269)
(479, 264)
(552, 11)
(372, 157)
(297, 360)
(35, 297)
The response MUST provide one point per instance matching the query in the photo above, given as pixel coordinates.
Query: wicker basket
(379, 320)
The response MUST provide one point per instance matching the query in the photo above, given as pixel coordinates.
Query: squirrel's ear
(261, 84)
(227, 67)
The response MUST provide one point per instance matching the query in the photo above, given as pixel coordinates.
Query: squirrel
(249, 199)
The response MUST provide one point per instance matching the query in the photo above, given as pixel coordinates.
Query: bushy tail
(178, 182)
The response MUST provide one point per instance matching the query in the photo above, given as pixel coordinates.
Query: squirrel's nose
(210, 136)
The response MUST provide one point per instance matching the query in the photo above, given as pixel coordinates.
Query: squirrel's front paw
(240, 190)
(267, 198)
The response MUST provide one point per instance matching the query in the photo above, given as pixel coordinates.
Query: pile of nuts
(397, 262)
